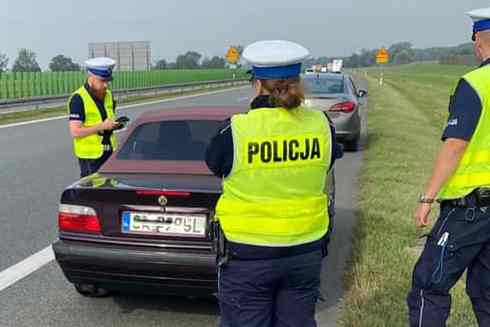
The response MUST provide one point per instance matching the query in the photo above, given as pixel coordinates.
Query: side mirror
(362, 93)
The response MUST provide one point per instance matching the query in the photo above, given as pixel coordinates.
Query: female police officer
(273, 209)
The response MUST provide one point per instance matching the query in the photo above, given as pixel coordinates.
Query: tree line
(26, 62)
(400, 53)
(191, 60)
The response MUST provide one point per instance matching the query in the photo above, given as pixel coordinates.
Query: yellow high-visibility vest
(90, 147)
(275, 194)
(474, 168)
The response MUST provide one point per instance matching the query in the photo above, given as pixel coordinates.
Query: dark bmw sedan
(143, 223)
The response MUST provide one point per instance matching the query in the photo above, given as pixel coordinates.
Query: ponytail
(286, 93)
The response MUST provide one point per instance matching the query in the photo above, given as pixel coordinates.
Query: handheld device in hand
(121, 122)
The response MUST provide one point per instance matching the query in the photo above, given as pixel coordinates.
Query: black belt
(480, 197)
(252, 252)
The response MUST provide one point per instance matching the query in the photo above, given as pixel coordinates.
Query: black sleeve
(219, 154)
(464, 113)
(77, 110)
(337, 149)
(114, 104)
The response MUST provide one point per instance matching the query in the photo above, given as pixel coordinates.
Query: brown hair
(285, 93)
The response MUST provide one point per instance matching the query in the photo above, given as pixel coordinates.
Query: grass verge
(406, 116)
(34, 114)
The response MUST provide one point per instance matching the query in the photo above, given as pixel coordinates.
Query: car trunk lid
(149, 203)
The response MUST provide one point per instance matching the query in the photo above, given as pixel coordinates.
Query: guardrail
(123, 93)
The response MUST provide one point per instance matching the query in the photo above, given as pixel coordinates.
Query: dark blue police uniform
(290, 275)
(441, 266)
(77, 112)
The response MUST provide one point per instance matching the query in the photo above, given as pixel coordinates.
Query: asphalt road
(36, 163)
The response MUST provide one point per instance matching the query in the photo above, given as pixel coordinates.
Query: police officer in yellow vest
(92, 117)
(460, 239)
(274, 161)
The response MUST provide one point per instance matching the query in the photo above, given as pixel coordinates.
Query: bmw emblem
(162, 201)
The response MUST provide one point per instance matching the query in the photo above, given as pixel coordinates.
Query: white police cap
(479, 14)
(101, 67)
(481, 19)
(275, 59)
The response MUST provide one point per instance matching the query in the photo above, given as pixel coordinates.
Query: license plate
(168, 224)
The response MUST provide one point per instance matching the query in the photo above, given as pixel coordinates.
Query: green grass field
(406, 118)
(24, 85)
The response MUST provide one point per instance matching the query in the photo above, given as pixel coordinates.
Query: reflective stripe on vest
(90, 147)
(275, 194)
(474, 168)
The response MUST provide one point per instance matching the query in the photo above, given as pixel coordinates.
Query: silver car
(337, 95)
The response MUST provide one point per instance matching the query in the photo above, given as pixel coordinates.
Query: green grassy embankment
(406, 118)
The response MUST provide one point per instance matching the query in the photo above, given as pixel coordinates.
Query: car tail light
(347, 106)
(163, 192)
(78, 219)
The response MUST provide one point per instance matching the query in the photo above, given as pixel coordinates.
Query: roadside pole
(233, 56)
(382, 58)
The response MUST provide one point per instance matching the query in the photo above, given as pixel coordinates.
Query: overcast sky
(326, 27)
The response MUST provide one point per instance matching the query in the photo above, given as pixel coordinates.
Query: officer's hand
(421, 215)
(108, 125)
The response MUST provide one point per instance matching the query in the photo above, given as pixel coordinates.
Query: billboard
(130, 56)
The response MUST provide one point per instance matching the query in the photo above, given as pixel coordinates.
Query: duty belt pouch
(326, 240)
(220, 244)
(483, 196)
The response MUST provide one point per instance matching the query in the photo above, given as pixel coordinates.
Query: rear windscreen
(170, 140)
(324, 85)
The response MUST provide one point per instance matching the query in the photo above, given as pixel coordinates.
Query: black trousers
(467, 231)
(270, 293)
(90, 166)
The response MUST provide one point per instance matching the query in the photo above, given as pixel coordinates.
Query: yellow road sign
(232, 56)
(383, 56)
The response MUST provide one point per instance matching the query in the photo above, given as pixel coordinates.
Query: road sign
(382, 57)
(232, 56)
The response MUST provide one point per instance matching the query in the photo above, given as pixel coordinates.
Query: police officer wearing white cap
(460, 239)
(273, 216)
(92, 117)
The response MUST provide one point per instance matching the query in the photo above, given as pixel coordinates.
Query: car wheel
(352, 145)
(91, 290)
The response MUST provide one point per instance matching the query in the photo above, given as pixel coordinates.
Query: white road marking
(128, 106)
(26, 267)
(33, 122)
(244, 99)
